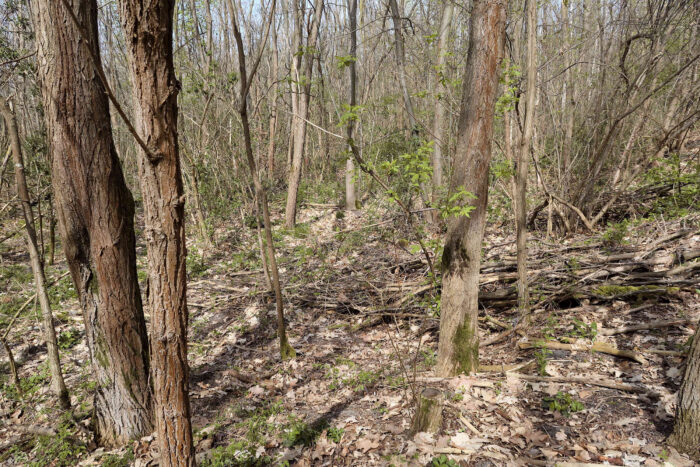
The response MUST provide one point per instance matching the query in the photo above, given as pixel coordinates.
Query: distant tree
(350, 195)
(458, 348)
(301, 79)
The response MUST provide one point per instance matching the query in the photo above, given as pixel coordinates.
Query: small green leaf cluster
(443, 461)
(563, 403)
(583, 330)
(345, 61)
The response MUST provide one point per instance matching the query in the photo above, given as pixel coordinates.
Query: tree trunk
(441, 105)
(148, 33)
(273, 102)
(302, 114)
(686, 430)
(286, 350)
(400, 52)
(350, 197)
(458, 348)
(58, 386)
(95, 211)
(525, 143)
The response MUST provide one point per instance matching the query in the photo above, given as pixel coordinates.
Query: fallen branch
(646, 326)
(638, 389)
(597, 346)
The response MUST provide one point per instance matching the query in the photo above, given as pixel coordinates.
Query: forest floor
(362, 316)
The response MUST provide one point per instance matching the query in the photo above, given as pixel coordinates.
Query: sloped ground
(362, 317)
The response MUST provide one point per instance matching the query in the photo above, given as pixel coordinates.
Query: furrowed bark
(95, 211)
(458, 348)
(148, 31)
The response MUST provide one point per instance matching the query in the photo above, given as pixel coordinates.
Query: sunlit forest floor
(363, 317)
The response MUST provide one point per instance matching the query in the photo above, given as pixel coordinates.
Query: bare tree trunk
(273, 101)
(301, 116)
(286, 350)
(58, 386)
(150, 52)
(568, 99)
(525, 143)
(458, 348)
(95, 211)
(686, 430)
(440, 105)
(350, 199)
(400, 52)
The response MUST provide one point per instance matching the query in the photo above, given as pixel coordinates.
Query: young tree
(458, 348)
(525, 147)
(58, 386)
(350, 197)
(148, 28)
(96, 213)
(686, 430)
(440, 104)
(286, 350)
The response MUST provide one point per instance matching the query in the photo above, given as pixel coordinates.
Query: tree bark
(58, 386)
(458, 348)
(686, 430)
(148, 32)
(525, 147)
(95, 210)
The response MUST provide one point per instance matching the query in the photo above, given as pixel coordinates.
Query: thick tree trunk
(525, 148)
(58, 386)
(458, 348)
(95, 211)
(148, 33)
(686, 430)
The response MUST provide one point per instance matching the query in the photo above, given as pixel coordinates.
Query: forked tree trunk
(397, 20)
(148, 32)
(58, 386)
(95, 211)
(525, 147)
(686, 430)
(302, 114)
(458, 348)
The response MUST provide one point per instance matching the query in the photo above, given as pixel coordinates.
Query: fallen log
(597, 346)
(646, 326)
(638, 389)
